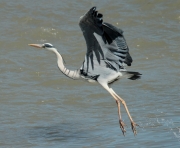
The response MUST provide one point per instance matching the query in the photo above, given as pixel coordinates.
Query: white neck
(69, 73)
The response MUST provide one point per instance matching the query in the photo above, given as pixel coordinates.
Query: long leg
(121, 123)
(118, 104)
(133, 124)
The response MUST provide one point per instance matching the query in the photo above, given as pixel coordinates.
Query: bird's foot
(133, 126)
(122, 125)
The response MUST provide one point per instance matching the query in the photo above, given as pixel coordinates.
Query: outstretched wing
(117, 44)
(104, 42)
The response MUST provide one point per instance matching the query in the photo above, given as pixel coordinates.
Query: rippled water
(40, 107)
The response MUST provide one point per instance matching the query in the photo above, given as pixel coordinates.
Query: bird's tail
(132, 75)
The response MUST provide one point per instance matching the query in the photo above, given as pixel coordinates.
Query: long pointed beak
(36, 45)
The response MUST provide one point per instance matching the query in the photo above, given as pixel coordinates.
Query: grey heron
(104, 63)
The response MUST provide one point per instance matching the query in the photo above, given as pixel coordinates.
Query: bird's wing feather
(120, 49)
(104, 41)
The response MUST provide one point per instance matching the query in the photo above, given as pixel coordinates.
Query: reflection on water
(40, 107)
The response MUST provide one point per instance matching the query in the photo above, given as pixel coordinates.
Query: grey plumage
(107, 52)
(105, 44)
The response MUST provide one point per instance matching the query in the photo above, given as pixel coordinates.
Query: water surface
(40, 107)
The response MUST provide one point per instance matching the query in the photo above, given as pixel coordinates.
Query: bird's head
(47, 46)
(91, 19)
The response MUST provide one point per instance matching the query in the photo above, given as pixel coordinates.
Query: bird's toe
(122, 126)
(133, 126)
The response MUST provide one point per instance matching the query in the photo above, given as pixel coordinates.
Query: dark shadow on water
(58, 133)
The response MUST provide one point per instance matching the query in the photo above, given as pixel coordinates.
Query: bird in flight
(104, 63)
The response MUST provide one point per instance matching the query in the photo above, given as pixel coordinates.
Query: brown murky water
(40, 107)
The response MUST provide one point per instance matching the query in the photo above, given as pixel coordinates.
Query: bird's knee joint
(123, 102)
(117, 102)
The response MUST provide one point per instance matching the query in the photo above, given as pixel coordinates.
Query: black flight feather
(104, 40)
